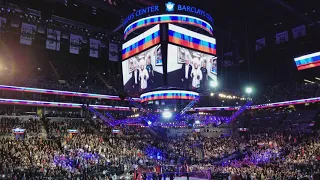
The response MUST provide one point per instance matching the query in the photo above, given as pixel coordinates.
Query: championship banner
(299, 31)
(75, 43)
(260, 43)
(113, 52)
(27, 33)
(94, 48)
(53, 39)
(282, 37)
(2, 22)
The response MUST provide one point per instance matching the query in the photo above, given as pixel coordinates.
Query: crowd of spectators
(273, 156)
(274, 150)
(32, 125)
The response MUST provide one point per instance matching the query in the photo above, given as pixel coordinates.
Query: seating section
(94, 148)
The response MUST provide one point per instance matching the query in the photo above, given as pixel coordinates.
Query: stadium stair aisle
(154, 133)
(233, 156)
(104, 82)
(108, 122)
(56, 74)
(90, 121)
(29, 154)
(45, 127)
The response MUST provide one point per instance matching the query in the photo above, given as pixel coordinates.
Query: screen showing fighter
(190, 69)
(143, 71)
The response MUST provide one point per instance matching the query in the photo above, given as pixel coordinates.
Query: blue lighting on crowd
(70, 161)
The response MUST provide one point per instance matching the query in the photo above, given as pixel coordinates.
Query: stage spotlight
(149, 123)
(214, 84)
(248, 90)
(197, 122)
(167, 114)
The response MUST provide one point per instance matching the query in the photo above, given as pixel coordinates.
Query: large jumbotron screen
(192, 63)
(142, 68)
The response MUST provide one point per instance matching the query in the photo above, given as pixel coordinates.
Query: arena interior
(157, 90)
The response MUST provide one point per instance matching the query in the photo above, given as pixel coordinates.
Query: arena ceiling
(256, 16)
(236, 21)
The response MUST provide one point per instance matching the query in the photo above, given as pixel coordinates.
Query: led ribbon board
(73, 131)
(166, 94)
(18, 131)
(214, 109)
(168, 18)
(59, 104)
(308, 61)
(286, 103)
(58, 92)
(261, 106)
(192, 40)
(169, 94)
(115, 131)
(168, 7)
(142, 42)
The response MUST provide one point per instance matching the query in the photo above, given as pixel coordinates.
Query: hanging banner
(53, 39)
(94, 48)
(75, 43)
(27, 33)
(299, 31)
(3, 21)
(282, 37)
(113, 52)
(260, 43)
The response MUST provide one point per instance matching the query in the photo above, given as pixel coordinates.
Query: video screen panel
(190, 69)
(308, 61)
(141, 42)
(143, 71)
(192, 40)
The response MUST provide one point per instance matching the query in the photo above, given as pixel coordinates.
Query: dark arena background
(156, 90)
